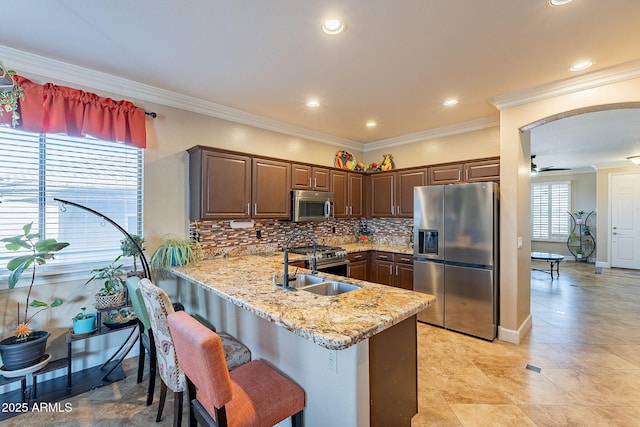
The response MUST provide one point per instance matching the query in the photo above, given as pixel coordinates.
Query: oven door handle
(335, 263)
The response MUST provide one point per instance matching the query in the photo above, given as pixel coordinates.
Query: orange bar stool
(159, 307)
(252, 395)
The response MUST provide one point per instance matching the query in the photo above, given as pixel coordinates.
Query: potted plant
(175, 251)
(27, 347)
(578, 215)
(83, 322)
(130, 250)
(579, 253)
(9, 98)
(112, 292)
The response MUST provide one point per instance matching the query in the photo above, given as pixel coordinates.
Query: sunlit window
(104, 176)
(549, 210)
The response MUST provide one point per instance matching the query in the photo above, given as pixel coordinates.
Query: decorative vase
(86, 325)
(23, 354)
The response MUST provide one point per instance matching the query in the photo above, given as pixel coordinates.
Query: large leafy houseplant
(40, 252)
(27, 347)
(175, 251)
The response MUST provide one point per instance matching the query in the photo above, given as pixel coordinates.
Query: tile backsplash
(219, 239)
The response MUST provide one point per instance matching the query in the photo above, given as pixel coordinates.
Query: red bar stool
(252, 395)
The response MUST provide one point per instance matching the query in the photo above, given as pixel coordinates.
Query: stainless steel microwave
(311, 205)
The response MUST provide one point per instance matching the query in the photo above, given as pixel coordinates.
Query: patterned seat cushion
(159, 307)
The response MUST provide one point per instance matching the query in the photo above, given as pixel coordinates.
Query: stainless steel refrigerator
(456, 256)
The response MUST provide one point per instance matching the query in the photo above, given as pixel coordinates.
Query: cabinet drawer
(357, 256)
(404, 259)
(383, 256)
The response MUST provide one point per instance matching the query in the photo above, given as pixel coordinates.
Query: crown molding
(44, 67)
(617, 73)
(463, 127)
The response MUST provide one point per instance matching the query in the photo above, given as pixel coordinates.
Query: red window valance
(51, 108)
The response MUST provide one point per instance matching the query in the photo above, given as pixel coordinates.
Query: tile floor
(584, 354)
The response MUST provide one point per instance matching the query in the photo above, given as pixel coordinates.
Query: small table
(552, 259)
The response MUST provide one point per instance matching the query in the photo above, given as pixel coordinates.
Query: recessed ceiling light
(371, 124)
(333, 26)
(450, 102)
(559, 2)
(313, 103)
(581, 65)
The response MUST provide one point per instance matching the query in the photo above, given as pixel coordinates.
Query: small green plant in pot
(84, 322)
(175, 251)
(112, 292)
(26, 347)
(130, 250)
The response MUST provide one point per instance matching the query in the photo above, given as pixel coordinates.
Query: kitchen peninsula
(354, 354)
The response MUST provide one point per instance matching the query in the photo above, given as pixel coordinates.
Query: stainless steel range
(329, 259)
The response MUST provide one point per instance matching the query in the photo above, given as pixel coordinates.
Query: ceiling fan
(535, 169)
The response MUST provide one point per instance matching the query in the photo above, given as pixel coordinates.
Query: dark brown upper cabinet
(484, 170)
(219, 185)
(271, 196)
(392, 192)
(306, 177)
(348, 194)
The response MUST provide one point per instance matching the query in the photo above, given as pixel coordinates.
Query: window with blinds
(104, 176)
(549, 207)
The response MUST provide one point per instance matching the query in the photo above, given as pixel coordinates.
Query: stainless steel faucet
(285, 278)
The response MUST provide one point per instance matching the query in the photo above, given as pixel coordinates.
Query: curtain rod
(151, 114)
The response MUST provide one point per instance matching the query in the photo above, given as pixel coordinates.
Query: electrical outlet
(333, 361)
(258, 234)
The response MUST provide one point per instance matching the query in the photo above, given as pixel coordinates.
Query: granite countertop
(334, 322)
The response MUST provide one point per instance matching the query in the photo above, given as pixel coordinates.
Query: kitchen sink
(330, 288)
(316, 284)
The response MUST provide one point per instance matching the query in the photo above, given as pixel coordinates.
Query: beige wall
(515, 150)
(471, 145)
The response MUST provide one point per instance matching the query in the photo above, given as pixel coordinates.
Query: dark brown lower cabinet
(393, 375)
(358, 265)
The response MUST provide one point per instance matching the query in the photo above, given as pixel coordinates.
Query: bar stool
(158, 308)
(147, 344)
(252, 395)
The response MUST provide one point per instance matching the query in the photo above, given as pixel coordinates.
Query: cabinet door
(406, 180)
(358, 270)
(271, 189)
(382, 268)
(448, 174)
(300, 177)
(321, 179)
(339, 188)
(486, 170)
(382, 195)
(220, 185)
(355, 199)
(404, 276)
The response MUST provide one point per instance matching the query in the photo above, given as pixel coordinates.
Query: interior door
(625, 221)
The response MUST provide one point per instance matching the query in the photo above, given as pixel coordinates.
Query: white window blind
(549, 210)
(104, 176)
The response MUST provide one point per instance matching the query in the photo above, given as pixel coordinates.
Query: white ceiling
(396, 63)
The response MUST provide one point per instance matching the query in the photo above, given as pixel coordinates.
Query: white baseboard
(514, 336)
(603, 264)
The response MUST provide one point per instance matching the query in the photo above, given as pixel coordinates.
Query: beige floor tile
(524, 386)
(467, 385)
(619, 416)
(598, 387)
(563, 415)
(435, 416)
(491, 415)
